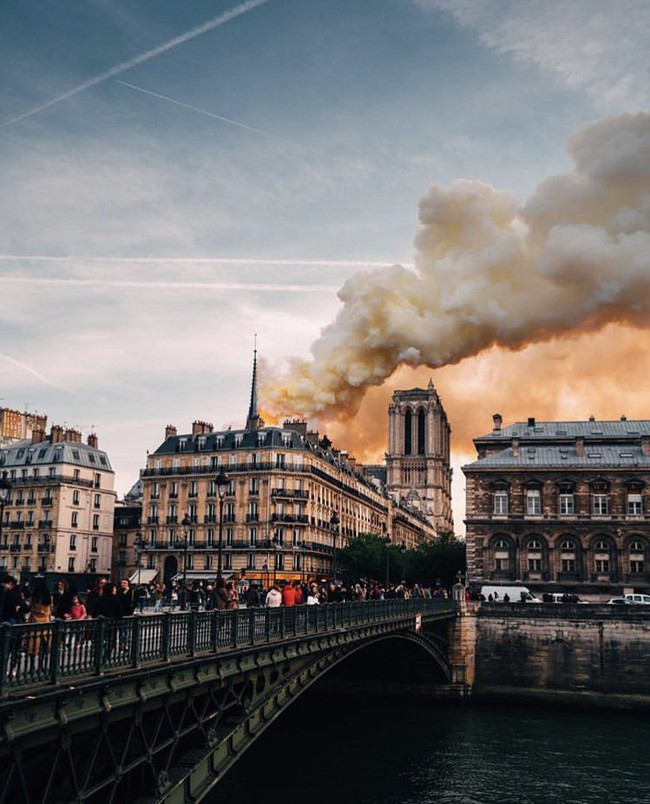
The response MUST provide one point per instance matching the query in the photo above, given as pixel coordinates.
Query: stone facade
(561, 504)
(285, 485)
(59, 514)
(418, 470)
(597, 654)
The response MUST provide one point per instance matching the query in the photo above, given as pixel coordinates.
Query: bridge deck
(35, 657)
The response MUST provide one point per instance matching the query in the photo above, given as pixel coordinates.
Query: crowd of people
(38, 604)
(20, 603)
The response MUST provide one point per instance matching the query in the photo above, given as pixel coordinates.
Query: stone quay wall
(596, 655)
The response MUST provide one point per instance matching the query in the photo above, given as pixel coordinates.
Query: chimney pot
(93, 441)
(531, 421)
(498, 420)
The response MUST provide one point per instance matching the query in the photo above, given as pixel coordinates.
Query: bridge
(158, 708)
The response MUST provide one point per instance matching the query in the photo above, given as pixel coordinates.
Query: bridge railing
(50, 653)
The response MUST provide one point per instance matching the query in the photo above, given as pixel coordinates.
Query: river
(341, 751)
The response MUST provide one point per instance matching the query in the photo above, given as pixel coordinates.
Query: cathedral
(418, 471)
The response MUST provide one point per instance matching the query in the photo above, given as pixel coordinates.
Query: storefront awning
(201, 575)
(143, 576)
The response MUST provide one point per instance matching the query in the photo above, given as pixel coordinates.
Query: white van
(515, 594)
(642, 600)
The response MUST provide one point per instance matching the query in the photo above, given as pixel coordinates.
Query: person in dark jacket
(108, 606)
(61, 600)
(94, 596)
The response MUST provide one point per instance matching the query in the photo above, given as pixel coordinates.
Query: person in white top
(274, 597)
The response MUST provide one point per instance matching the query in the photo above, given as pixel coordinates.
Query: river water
(341, 751)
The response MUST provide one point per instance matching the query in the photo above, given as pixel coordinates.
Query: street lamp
(139, 545)
(5, 489)
(223, 484)
(275, 541)
(186, 532)
(334, 525)
(387, 543)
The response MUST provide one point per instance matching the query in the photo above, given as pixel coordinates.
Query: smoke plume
(490, 272)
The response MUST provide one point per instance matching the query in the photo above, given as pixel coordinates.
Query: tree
(432, 563)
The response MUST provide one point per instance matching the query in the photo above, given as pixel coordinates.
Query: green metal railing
(43, 654)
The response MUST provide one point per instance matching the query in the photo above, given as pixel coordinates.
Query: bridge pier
(462, 643)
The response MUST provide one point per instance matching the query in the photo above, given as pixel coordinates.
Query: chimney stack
(56, 433)
(72, 435)
(531, 421)
(92, 441)
(170, 431)
(297, 426)
(37, 436)
(498, 421)
(580, 446)
(515, 447)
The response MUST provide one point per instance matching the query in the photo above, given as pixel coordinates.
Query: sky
(383, 191)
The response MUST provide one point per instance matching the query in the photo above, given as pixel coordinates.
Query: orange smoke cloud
(490, 273)
(603, 374)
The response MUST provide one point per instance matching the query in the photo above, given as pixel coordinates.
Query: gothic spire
(254, 421)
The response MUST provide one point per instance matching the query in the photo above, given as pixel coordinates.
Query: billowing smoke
(489, 272)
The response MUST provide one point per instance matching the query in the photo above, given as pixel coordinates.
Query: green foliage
(431, 564)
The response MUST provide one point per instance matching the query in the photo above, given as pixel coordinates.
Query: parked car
(620, 601)
(639, 600)
(561, 597)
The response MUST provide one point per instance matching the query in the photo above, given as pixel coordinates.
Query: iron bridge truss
(158, 708)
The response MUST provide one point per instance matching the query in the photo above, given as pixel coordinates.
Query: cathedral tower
(418, 470)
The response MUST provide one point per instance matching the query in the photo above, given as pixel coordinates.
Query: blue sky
(296, 138)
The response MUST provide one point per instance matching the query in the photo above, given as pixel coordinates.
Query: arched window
(534, 555)
(568, 556)
(422, 424)
(601, 557)
(408, 432)
(501, 555)
(636, 553)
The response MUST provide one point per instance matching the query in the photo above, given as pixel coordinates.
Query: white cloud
(596, 46)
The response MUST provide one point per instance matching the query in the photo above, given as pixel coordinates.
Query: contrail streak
(202, 261)
(215, 22)
(30, 370)
(127, 283)
(220, 117)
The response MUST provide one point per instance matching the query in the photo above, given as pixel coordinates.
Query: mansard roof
(593, 429)
(226, 440)
(75, 453)
(594, 456)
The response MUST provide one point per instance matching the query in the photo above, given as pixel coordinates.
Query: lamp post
(334, 525)
(5, 488)
(387, 543)
(223, 484)
(139, 545)
(276, 543)
(186, 533)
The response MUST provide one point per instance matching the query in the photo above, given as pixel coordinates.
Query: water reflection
(348, 752)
